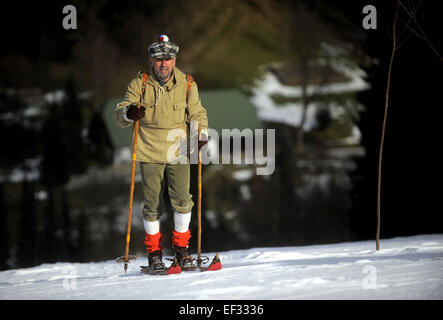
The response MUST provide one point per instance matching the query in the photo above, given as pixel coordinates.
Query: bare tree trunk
(384, 126)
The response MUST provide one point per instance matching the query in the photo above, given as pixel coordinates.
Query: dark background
(38, 53)
(410, 158)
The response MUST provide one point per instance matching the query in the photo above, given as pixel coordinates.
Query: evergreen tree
(73, 126)
(55, 168)
(287, 175)
(99, 143)
(26, 255)
(4, 241)
(48, 241)
(83, 244)
(67, 227)
(64, 151)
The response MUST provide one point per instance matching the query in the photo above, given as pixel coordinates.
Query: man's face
(162, 68)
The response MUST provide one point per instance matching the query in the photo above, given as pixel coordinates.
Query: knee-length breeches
(154, 184)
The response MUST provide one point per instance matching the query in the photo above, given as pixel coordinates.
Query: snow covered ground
(404, 268)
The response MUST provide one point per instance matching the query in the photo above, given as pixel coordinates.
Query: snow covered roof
(342, 80)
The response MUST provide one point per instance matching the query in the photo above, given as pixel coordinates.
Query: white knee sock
(151, 227)
(181, 221)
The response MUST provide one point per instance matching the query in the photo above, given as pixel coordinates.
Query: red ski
(176, 269)
(215, 265)
(173, 269)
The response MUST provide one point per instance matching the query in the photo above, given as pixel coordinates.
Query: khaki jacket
(166, 109)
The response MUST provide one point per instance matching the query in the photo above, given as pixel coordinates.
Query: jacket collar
(176, 76)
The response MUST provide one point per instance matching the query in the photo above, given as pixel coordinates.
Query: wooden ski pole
(216, 263)
(131, 194)
(199, 204)
(126, 257)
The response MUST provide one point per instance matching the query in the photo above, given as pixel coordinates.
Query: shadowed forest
(64, 197)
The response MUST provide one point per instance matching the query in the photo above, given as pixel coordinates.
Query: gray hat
(163, 48)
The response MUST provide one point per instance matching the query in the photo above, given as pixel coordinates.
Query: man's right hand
(135, 113)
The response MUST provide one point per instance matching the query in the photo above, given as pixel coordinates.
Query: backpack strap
(189, 80)
(189, 84)
(145, 79)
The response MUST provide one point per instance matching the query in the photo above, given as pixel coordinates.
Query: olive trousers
(156, 178)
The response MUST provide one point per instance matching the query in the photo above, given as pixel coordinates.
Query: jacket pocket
(179, 112)
(149, 114)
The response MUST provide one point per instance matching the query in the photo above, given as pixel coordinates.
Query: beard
(163, 73)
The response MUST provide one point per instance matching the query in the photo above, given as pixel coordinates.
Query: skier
(171, 101)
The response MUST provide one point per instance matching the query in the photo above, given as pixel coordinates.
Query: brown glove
(135, 113)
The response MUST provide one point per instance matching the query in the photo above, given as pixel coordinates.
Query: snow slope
(404, 268)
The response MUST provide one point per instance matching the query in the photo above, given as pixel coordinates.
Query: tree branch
(412, 14)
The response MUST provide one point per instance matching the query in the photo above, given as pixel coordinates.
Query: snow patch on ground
(404, 268)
